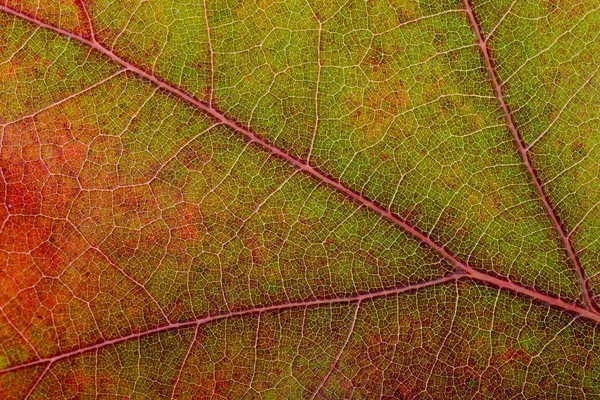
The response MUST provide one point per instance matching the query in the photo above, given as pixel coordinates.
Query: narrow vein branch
(63, 100)
(338, 356)
(184, 362)
(522, 150)
(37, 381)
(212, 56)
(83, 7)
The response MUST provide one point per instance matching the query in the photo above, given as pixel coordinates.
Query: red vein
(184, 362)
(253, 137)
(38, 380)
(468, 271)
(212, 56)
(83, 7)
(522, 149)
(241, 313)
(497, 283)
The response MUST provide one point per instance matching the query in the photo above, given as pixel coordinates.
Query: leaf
(257, 199)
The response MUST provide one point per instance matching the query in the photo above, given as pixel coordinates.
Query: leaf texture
(299, 199)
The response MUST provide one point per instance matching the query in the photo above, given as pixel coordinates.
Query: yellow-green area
(209, 222)
(39, 67)
(547, 56)
(406, 116)
(167, 38)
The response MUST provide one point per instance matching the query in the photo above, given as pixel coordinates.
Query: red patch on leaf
(23, 171)
(40, 160)
(185, 220)
(64, 144)
(78, 381)
(255, 248)
(515, 355)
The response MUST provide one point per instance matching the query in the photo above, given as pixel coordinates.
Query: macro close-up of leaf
(299, 199)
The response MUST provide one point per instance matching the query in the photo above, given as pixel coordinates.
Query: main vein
(255, 138)
(466, 270)
(522, 150)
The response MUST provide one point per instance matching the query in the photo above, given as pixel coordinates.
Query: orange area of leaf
(14, 385)
(41, 158)
(7, 72)
(23, 171)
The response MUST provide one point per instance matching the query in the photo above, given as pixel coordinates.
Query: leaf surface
(299, 199)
